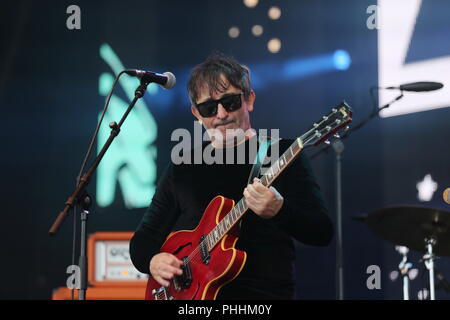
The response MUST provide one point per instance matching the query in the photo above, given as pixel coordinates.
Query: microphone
(419, 86)
(166, 80)
(446, 195)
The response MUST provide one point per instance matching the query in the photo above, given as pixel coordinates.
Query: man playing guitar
(293, 207)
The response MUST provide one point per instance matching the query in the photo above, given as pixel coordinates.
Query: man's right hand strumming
(164, 266)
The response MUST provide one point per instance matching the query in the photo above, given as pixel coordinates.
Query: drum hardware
(422, 229)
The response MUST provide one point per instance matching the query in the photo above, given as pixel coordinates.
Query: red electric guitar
(209, 257)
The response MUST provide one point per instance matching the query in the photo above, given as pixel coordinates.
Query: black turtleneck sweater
(185, 190)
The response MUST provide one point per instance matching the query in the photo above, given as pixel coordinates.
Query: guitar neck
(235, 214)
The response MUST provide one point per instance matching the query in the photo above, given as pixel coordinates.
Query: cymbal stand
(404, 268)
(428, 258)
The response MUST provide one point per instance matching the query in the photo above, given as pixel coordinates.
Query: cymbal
(409, 226)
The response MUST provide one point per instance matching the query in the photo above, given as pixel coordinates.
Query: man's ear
(251, 101)
(196, 114)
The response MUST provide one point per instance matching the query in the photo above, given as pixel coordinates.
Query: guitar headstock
(326, 127)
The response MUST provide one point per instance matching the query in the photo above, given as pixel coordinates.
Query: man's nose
(221, 112)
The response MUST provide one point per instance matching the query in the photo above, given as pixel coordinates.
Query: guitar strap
(264, 143)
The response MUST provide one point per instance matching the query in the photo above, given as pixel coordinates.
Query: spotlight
(251, 3)
(274, 13)
(274, 45)
(233, 32)
(341, 59)
(257, 30)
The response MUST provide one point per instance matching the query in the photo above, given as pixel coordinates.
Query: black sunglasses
(231, 102)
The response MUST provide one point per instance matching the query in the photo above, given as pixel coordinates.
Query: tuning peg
(327, 142)
(337, 136)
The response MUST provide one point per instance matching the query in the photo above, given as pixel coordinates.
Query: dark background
(50, 101)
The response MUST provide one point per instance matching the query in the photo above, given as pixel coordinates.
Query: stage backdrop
(58, 62)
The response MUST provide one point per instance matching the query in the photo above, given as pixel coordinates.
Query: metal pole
(338, 147)
(429, 263)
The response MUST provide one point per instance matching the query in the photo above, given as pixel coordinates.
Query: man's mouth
(223, 124)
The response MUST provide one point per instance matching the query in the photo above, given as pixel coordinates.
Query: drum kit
(422, 229)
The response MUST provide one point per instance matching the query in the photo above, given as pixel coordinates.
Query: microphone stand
(79, 195)
(338, 147)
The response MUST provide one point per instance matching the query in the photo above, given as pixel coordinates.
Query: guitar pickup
(204, 252)
(185, 280)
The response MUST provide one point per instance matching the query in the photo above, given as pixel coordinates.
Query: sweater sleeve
(156, 224)
(304, 214)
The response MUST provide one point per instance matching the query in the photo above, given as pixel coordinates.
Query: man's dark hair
(209, 71)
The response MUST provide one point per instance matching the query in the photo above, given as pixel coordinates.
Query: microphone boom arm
(84, 180)
(359, 125)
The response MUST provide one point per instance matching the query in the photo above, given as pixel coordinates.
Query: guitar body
(224, 262)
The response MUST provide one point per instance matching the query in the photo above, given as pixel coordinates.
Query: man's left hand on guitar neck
(265, 202)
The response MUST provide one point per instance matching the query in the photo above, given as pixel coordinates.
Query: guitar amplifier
(109, 262)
